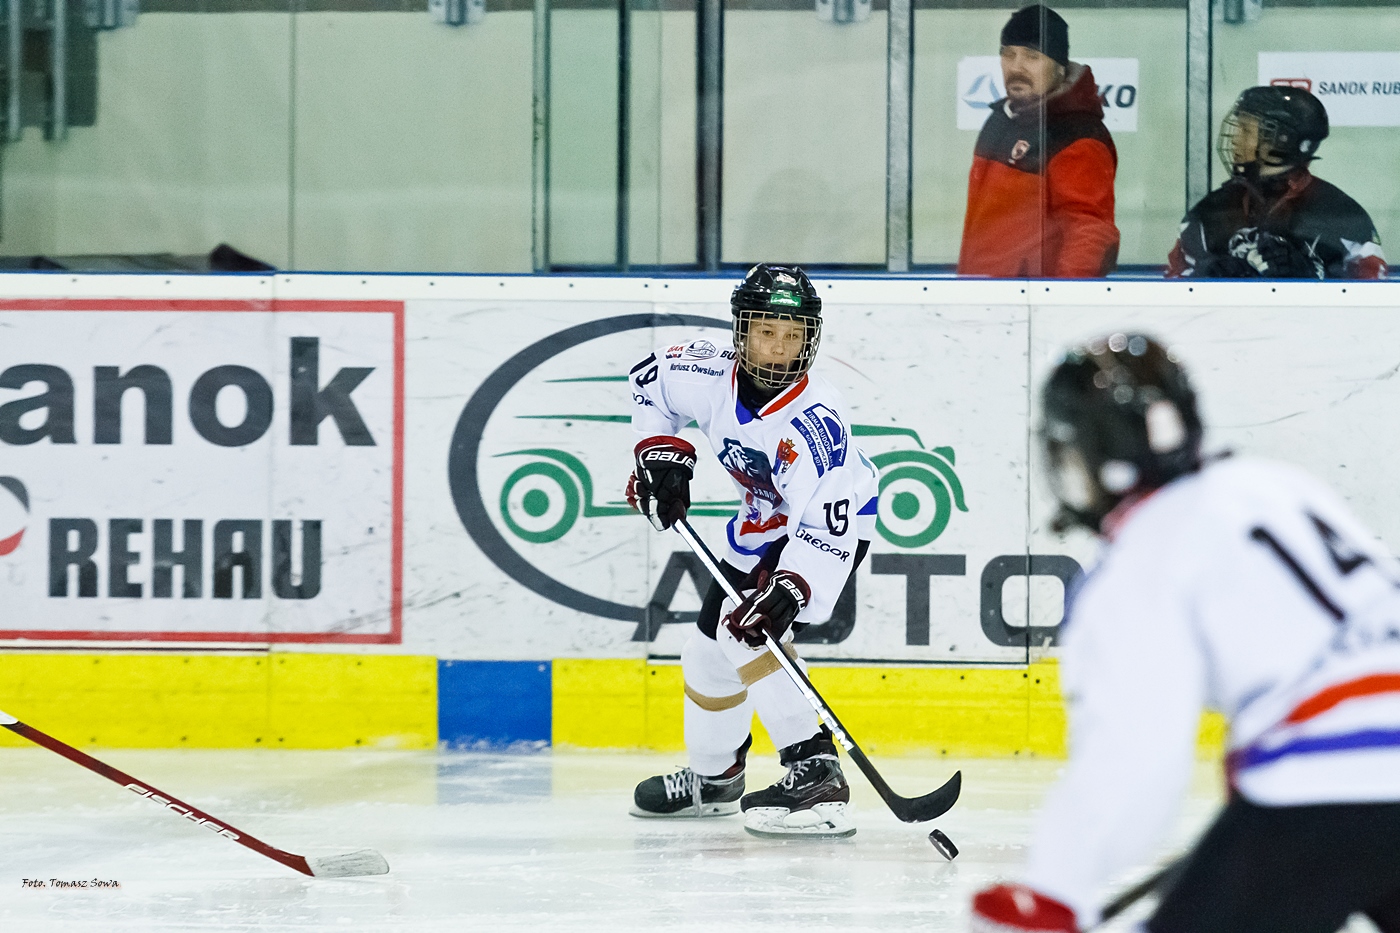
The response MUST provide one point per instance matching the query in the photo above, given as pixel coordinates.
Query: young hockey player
(1273, 218)
(804, 523)
(1241, 585)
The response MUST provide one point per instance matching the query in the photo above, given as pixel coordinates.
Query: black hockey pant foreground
(1302, 869)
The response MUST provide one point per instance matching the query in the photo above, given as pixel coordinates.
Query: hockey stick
(908, 809)
(1137, 892)
(348, 865)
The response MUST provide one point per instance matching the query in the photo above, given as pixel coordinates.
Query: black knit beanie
(1041, 28)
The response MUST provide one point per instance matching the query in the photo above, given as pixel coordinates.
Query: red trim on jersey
(784, 398)
(1124, 510)
(1367, 267)
(9, 544)
(1321, 702)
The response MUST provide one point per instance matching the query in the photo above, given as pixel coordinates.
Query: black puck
(943, 844)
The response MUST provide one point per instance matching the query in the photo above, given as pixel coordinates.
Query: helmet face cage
(762, 367)
(1247, 139)
(1271, 126)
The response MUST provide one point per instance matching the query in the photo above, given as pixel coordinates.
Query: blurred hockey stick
(1137, 892)
(908, 809)
(348, 865)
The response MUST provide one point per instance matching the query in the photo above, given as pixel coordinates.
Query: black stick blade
(930, 806)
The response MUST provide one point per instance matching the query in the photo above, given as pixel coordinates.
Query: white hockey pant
(725, 682)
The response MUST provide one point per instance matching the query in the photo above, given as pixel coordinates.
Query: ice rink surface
(491, 841)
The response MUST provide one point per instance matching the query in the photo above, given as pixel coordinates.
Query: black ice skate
(686, 794)
(812, 799)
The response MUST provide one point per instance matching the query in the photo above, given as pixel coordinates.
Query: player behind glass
(806, 515)
(1272, 217)
(1236, 584)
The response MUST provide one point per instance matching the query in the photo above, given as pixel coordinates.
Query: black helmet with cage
(1120, 420)
(770, 295)
(1272, 126)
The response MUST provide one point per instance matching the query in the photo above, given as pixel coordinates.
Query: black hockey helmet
(776, 293)
(1291, 123)
(1120, 420)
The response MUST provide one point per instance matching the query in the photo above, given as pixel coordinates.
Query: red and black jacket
(1040, 194)
(1314, 215)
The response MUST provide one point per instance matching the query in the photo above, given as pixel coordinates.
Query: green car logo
(543, 498)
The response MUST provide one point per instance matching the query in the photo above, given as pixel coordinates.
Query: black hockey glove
(1282, 258)
(659, 487)
(1224, 267)
(771, 608)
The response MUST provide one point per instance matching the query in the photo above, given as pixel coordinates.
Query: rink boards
(302, 700)
(322, 511)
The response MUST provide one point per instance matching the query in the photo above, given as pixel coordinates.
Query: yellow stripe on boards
(960, 711)
(277, 700)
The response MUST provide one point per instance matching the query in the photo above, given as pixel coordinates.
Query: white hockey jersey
(793, 461)
(1248, 588)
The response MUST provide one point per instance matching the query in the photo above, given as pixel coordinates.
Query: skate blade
(728, 808)
(349, 865)
(824, 820)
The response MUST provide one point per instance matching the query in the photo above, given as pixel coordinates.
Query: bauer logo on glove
(659, 486)
(770, 609)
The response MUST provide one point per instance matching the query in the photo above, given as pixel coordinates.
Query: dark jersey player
(1273, 218)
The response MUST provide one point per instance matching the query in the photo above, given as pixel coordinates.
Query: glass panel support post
(15, 50)
(1198, 107)
(899, 109)
(539, 142)
(624, 129)
(58, 73)
(709, 128)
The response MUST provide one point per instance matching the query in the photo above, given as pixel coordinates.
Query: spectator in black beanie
(1040, 194)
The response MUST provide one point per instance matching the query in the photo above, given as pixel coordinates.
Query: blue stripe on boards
(1321, 744)
(494, 703)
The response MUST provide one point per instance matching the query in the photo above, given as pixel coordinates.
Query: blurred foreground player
(1242, 585)
(1272, 218)
(804, 523)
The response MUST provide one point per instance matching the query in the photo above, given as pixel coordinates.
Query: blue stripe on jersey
(741, 411)
(1254, 756)
(872, 507)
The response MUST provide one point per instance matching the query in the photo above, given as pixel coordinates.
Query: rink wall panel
(892, 710)
(283, 700)
(482, 582)
(493, 703)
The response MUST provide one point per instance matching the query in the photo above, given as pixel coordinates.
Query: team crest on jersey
(701, 350)
(825, 436)
(751, 469)
(787, 454)
(674, 353)
(1018, 151)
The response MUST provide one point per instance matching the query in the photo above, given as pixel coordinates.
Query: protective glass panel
(804, 132)
(166, 132)
(411, 147)
(1346, 57)
(1133, 57)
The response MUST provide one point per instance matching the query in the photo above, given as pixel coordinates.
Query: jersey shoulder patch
(825, 435)
(699, 357)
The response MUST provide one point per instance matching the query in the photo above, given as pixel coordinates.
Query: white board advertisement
(1357, 88)
(980, 84)
(445, 476)
(547, 560)
(201, 471)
